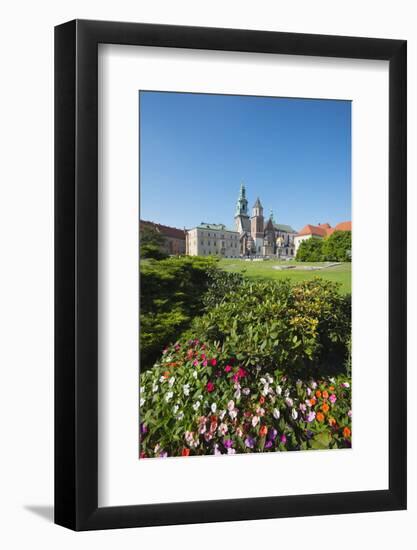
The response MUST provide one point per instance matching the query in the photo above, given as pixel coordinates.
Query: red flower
(228, 368)
(142, 455)
(185, 452)
(214, 362)
(241, 373)
(210, 387)
(263, 430)
(262, 400)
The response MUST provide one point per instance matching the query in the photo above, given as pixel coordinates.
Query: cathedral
(258, 238)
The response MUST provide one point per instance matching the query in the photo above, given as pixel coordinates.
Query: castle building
(258, 238)
(211, 239)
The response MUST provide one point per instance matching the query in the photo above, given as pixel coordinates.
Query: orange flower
(332, 421)
(263, 430)
(346, 432)
(320, 417)
(313, 401)
(185, 452)
(325, 394)
(325, 407)
(262, 400)
(167, 374)
(318, 393)
(331, 388)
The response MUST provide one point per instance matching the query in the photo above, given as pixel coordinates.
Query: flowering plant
(199, 400)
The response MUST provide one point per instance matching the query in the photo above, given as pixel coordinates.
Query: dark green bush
(220, 284)
(338, 247)
(302, 328)
(310, 250)
(171, 295)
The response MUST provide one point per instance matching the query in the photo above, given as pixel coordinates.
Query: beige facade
(212, 240)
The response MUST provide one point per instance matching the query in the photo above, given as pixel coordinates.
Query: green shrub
(338, 247)
(300, 328)
(220, 284)
(310, 250)
(171, 294)
(198, 401)
(152, 244)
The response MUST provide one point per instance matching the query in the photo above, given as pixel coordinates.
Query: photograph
(245, 255)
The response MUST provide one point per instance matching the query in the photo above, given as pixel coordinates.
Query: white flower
(255, 420)
(231, 405)
(169, 396)
(221, 414)
(155, 388)
(231, 451)
(180, 415)
(314, 385)
(265, 390)
(294, 414)
(196, 405)
(175, 409)
(278, 389)
(269, 378)
(186, 389)
(286, 393)
(213, 407)
(276, 413)
(332, 380)
(233, 414)
(246, 391)
(171, 381)
(216, 450)
(162, 379)
(194, 373)
(289, 402)
(236, 395)
(346, 384)
(142, 401)
(223, 429)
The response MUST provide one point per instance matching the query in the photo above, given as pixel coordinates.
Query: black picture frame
(76, 272)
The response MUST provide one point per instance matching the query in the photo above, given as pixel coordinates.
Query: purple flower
(143, 428)
(228, 443)
(250, 442)
(268, 444)
(283, 439)
(311, 416)
(309, 434)
(272, 434)
(163, 454)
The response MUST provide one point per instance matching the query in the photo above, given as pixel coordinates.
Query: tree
(152, 243)
(338, 247)
(310, 250)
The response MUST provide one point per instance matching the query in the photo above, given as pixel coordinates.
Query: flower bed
(198, 401)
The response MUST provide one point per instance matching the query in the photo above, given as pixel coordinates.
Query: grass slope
(265, 270)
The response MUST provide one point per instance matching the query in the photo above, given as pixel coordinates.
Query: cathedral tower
(257, 225)
(241, 213)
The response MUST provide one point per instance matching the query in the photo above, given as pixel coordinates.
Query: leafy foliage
(301, 329)
(310, 250)
(197, 400)
(151, 244)
(338, 247)
(171, 295)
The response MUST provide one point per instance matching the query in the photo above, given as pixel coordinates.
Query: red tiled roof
(165, 230)
(343, 226)
(318, 230)
(324, 229)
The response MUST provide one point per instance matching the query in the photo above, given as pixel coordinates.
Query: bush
(171, 294)
(152, 244)
(197, 401)
(221, 283)
(301, 329)
(310, 250)
(338, 247)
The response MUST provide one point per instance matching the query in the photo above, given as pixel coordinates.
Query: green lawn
(265, 270)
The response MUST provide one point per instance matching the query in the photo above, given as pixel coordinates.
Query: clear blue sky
(196, 149)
